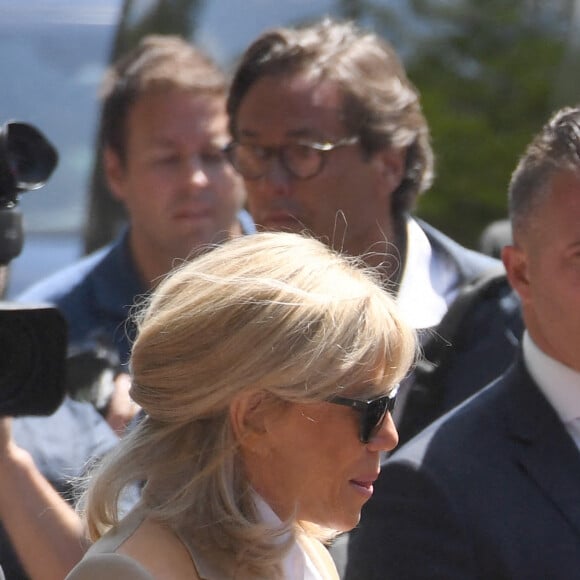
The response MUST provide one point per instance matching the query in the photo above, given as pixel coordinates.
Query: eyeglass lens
(252, 161)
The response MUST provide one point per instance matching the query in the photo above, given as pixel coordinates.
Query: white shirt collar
(559, 384)
(297, 565)
(424, 294)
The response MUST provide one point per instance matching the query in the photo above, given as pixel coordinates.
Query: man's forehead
(325, 92)
(172, 110)
(174, 101)
(296, 105)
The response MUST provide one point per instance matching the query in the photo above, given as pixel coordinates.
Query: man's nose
(197, 172)
(277, 179)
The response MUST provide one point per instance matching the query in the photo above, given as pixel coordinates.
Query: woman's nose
(386, 438)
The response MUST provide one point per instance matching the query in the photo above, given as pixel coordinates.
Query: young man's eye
(212, 156)
(167, 160)
(249, 151)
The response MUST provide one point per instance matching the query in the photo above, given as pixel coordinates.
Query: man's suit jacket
(485, 346)
(490, 491)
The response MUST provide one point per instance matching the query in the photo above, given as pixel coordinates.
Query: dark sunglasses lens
(374, 417)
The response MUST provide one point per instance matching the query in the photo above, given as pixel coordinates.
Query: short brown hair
(381, 105)
(555, 149)
(158, 63)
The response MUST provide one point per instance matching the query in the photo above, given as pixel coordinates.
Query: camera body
(33, 338)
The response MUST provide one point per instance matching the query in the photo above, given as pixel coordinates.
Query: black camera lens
(27, 159)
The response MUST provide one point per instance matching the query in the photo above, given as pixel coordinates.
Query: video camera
(33, 338)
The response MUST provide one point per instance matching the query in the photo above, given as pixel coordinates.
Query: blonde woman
(267, 370)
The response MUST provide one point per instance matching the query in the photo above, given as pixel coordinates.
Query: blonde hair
(278, 313)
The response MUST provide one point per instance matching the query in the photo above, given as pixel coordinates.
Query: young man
(164, 127)
(493, 489)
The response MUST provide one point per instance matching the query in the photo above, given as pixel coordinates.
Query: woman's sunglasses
(372, 412)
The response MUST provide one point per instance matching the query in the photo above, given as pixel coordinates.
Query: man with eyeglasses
(329, 136)
(330, 139)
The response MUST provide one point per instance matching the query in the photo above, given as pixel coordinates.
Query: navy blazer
(97, 293)
(485, 347)
(490, 491)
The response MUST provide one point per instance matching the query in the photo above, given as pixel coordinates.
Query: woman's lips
(364, 487)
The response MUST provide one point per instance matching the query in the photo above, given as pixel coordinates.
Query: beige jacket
(162, 555)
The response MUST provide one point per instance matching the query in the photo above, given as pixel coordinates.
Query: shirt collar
(246, 222)
(424, 293)
(265, 512)
(296, 563)
(559, 384)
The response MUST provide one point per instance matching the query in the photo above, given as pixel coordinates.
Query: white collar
(424, 293)
(559, 384)
(297, 565)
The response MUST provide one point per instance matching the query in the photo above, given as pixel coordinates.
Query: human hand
(6, 441)
(121, 409)
(11, 455)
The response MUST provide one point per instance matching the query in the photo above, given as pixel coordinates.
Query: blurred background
(490, 73)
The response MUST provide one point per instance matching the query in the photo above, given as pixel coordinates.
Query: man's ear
(248, 418)
(114, 169)
(515, 261)
(391, 168)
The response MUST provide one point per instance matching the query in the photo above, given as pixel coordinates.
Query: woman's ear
(248, 418)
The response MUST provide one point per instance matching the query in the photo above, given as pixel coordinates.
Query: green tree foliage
(487, 72)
